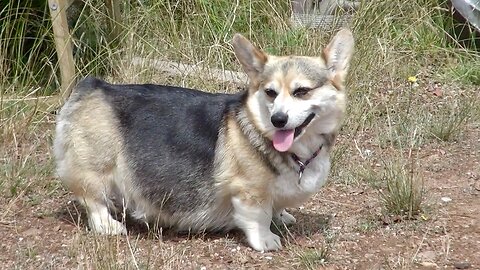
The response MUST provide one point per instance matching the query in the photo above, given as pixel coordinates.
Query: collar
(303, 164)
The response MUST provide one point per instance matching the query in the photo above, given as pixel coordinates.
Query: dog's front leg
(255, 219)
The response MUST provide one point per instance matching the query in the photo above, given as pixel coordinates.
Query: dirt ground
(344, 223)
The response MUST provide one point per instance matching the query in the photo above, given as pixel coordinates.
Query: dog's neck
(303, 164)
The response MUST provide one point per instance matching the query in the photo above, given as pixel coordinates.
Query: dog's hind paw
(114, 228)
(110, 228)
(284, 217)
(103, 223)
(267, 242)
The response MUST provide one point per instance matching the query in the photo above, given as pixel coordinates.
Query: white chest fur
(290, 191)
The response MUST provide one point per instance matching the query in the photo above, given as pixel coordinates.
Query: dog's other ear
(338, 53)
(252, 59)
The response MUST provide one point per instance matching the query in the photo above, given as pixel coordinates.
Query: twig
(358, 148)
(181, 69)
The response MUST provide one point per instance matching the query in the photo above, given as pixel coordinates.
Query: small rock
(357, 191)
(477, 186)
(446, 199)
(462, 265)
(429, 264)
(367, 152)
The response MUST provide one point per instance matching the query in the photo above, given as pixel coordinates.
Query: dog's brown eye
(301, 91)
(271, 93)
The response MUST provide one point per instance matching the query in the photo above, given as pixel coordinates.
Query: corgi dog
(197, 161)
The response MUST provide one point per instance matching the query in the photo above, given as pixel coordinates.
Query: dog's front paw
(285, 218)
(268, 241)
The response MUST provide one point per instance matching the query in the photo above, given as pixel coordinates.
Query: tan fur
(250, 184)
(94, 155)
(337, 82)
(235, 173)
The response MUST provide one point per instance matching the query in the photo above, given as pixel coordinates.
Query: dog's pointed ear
(252, 59)
(338, 53)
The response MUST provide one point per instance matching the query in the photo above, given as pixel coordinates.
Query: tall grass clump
(96, 50)
(26, 54)
(450, 119)
(403, 191)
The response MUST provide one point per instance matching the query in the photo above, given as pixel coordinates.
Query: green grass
(386, 114)
(367, 224)
(26, 56)
(312, 258)
(451, 119)
(403, 193)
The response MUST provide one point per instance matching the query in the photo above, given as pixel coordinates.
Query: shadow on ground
(308, 225)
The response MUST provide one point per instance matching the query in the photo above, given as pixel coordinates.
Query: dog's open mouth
(283, 139)
(305, 123)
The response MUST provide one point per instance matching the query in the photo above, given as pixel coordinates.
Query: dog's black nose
(279, 119)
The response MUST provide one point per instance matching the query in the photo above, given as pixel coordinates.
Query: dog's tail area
(86, 148)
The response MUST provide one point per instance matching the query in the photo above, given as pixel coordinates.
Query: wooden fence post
(63, 45)
(113, 7)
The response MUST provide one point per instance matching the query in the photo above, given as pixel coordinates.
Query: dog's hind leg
(94, 196)
(92, 189)
(100, 220)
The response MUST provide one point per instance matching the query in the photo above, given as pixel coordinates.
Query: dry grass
(403, 193)
(395, 40)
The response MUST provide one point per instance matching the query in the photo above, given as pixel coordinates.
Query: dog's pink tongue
(283, 139)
